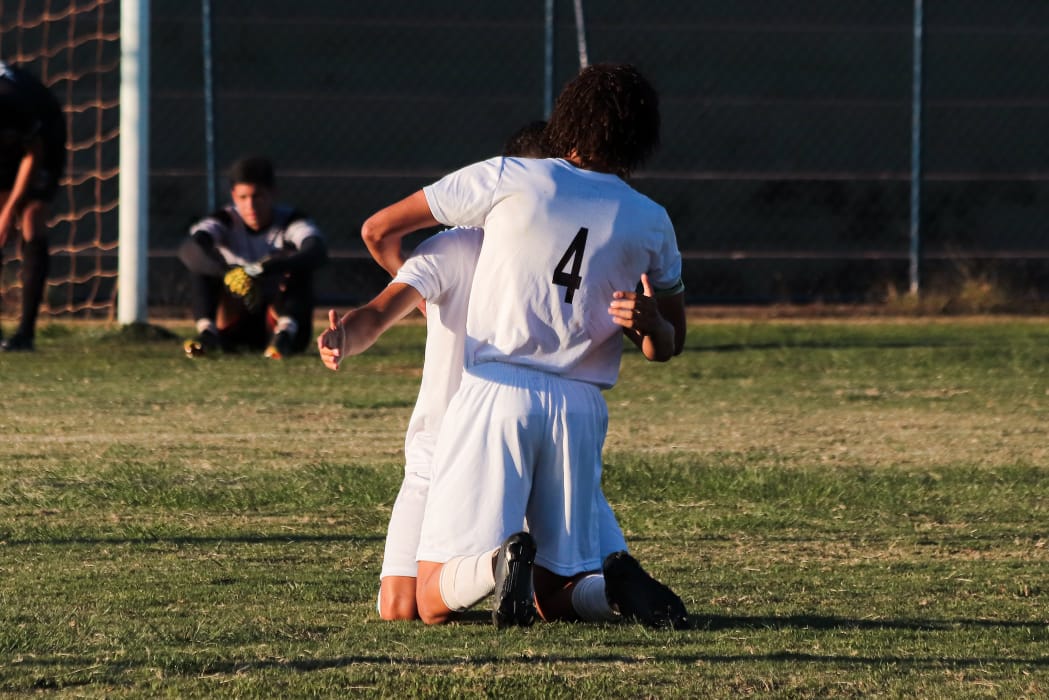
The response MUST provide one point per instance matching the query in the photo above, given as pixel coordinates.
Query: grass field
(849, 509)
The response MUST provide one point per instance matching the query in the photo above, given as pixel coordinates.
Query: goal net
(73, 46)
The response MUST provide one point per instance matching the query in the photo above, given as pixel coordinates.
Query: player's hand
(329, 343)
(243, 286)
(637, 312)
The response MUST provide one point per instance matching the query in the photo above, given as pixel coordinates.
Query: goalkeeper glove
(241, 285)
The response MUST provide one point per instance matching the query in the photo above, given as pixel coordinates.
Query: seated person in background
(251, 267)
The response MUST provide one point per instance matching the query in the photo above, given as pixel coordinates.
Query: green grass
(849, 509)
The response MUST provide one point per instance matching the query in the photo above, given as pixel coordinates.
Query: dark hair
(608, 115)
(528, 142)
(253, 170)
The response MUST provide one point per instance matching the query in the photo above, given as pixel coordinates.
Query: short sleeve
(440, 262)
(665, 267)
(465, 197)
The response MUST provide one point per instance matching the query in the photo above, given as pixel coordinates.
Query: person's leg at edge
(293, 306)
(205, 285)
(3, 200)
(36, 260)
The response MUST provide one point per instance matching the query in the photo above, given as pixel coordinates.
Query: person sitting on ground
(251, 267)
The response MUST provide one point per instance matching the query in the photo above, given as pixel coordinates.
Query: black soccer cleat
(208, 342)
(514, 595)
(280, 347)
(17, 343)
(640, 598)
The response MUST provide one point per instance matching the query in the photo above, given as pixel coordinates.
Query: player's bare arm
(383, 231)
(33, 155)
(642, 320)
(359, 328)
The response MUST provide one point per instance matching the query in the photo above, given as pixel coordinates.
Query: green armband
(676, 288)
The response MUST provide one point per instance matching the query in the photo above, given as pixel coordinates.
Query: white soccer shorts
(517, 443)
(402, 535)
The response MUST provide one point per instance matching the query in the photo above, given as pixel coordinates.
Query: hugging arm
(383, 230)
(359, 328)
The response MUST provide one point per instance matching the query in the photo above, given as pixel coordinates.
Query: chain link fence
(787, 127)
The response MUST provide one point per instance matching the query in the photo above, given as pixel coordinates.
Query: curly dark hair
(608, 115)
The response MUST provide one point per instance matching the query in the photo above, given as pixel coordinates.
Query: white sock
(206, 324)
(286, 324)
(589, 602)
(466, 580)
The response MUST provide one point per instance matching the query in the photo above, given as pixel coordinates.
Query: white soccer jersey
(559, 240)
(239, 245)
(441, 269)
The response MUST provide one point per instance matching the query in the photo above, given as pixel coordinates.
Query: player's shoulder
(528, 165)
(516, 172)
(16, 74)
(13, 99)
(644, 204)
(33, 94)
(443, 264)
(644, 200)
(225, 217)
(452, 240)
(287, 214)
(295, 221)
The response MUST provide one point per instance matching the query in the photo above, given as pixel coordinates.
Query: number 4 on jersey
(571, 281)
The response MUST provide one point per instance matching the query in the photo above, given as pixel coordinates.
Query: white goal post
(132, 284)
